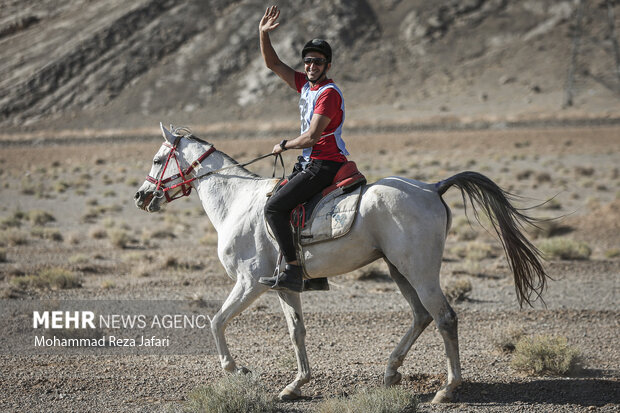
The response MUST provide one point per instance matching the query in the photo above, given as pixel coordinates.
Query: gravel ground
(351, 329)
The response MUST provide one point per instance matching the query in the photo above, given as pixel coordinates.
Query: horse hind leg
(421, 320)
(291, 306)
(423, 274)
(446, 320)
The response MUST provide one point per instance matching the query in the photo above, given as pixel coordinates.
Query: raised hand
(268, 22)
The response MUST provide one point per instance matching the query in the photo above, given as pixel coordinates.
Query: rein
(186, 189)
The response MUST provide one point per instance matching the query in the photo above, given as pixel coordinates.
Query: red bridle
(186, 189)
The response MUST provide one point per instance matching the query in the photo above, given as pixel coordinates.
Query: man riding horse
(322, 115)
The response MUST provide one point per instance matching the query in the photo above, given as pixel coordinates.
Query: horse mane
(186, 132)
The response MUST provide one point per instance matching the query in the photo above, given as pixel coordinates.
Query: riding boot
(316, 284)
(289, 279)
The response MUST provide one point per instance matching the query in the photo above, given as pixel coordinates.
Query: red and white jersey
(324, 99)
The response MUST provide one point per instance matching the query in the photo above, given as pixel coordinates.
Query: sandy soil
(88, 188)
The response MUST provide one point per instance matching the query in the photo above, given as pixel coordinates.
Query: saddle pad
(332, 218)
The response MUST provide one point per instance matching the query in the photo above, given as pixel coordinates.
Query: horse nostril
(136, 196)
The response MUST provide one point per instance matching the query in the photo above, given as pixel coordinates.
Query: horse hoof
(243, 370)
(392, 380)
(289, 394)
(442, 396)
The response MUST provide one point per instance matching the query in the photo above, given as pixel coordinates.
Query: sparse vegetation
(378, 400)
(55, 278)
(13, 237)
(108, 284)
(232, 394)
(475, 251)
(546, 355)
(98, 233)
(457, 289)
(508, 338)
(612, 253)
(3, 255)
(119, 238)
(52, 234)
(565, 249)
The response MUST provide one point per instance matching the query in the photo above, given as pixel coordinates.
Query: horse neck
(223, 192)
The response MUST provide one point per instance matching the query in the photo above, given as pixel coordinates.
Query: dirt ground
(88, 186)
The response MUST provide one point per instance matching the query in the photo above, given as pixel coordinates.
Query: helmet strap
(323, 74)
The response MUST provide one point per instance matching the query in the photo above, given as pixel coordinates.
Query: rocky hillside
(127, 64)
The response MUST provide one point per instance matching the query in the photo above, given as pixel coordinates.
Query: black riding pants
(301, 186)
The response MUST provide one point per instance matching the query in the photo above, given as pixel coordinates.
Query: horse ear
(167, 135)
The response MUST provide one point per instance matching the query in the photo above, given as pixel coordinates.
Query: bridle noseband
(161, 190)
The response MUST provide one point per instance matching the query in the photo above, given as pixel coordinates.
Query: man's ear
(329, 66)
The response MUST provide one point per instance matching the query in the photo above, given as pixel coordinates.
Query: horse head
(170, 175)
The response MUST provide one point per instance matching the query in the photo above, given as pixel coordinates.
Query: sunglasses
(319, 61)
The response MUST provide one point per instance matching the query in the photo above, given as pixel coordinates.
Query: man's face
(316, 67)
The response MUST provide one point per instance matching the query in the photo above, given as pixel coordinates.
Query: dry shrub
(457, 289)
(54, 278)
(231, 394)
(39, 217)
(3, 255)
(119, 238)
(108, 284)
(508, 338)
(79, 259)
(546, 227)
(584, 171)
(52, 234)
(10, 222)
(612, 253)
(553, 204)
(545, 355)
(565, 249)
(375, 271)
(209, 238)
(13, 238)
(142, 270)
(543, 177)
(378, 400)
(98, 233)
(475, 251)
(463, 230)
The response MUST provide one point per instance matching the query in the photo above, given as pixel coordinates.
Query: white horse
(403, 221)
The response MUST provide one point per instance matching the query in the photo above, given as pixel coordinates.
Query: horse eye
(157, 161)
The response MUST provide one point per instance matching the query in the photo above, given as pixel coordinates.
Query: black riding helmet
(318, 45)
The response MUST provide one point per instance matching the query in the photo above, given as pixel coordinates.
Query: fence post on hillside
(612, 33)
(568, 92)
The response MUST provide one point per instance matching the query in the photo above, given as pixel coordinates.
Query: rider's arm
(272, 61)
(308, 138)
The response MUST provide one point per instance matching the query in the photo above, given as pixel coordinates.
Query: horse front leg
(291, 305)
(244, 293)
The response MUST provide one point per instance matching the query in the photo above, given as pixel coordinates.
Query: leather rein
(162, 190)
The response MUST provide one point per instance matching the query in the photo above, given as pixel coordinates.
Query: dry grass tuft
(54, 278)
(119, 238)
(39, 217)
(231, 394)
(546, 355)
(565, 249)
(457, 289)
(508, 337)
(612, 253)
(13, 238)
(378, 400)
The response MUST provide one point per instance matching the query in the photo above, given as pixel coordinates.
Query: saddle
(329, 214)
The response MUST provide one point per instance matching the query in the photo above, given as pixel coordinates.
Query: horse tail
(524, 258)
